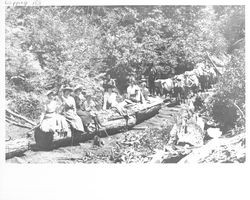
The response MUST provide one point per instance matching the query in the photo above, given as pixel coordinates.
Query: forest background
(46, 47)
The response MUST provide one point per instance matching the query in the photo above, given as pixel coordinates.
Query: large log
(16, 147)
(48, 142)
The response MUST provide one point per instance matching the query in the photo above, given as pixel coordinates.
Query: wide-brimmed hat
(78, 87)
(143, 83)
(88, 95)
(50, 92)
(68, 88)
(131, 80)
(110, 86)
(143, 80)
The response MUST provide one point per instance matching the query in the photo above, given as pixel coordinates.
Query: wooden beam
(21, 117)
(17, 124)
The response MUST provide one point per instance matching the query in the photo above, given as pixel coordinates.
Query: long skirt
(85, 117)
(53, 126)
(74, 120)
(54, 123)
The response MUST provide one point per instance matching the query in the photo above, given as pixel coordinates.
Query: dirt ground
(14, 132)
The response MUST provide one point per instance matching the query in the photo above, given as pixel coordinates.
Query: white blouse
(109, 98)
(131, 90)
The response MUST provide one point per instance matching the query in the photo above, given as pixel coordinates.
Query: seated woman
(69, 110)
(85, 116)
(52, 125)
(134, 93)
(144, 91)
(110, 100)
(90, 106)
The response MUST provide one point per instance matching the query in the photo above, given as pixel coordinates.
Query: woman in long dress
(52, 125)
(145, 91)
(85, 116)
(134, 92)
(69, 110)
(110, 101)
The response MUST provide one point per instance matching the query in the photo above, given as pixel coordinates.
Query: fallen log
(16, 147)
(46, 141)
(21, 117)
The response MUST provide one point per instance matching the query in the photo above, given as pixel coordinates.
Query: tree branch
(21, 117)
(17, 124)
(241, 112)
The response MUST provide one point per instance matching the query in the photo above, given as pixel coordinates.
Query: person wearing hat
(110, 97)
(143, 79)
(78, 91)
(80, 108)
(109, 81)
(110, 101)
(134, 93)
(144, 90)
(69, 109)
(50, 120)
(89, 106)
(79, 97)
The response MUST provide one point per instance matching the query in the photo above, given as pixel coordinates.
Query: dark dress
(84, 115)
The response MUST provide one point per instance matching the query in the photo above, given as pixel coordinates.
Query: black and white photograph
(124, 100)
(125, 84)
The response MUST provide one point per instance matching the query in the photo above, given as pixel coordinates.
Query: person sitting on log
(144, 90)
(85, 116)
(110, 97)
(50, 120)
(134, 93)
(90, 107)
(79, 93)
(110, 101)
(69, 109)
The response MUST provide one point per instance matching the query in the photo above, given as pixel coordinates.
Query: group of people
(134, 94)
(72, 110)
(59, 113)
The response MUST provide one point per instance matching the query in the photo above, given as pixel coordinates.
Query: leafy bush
(29, 105)
(227, 106)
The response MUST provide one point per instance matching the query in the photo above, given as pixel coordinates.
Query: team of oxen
(181, 86)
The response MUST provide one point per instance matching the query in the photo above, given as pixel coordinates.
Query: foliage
(228, 104)
(50, 46)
